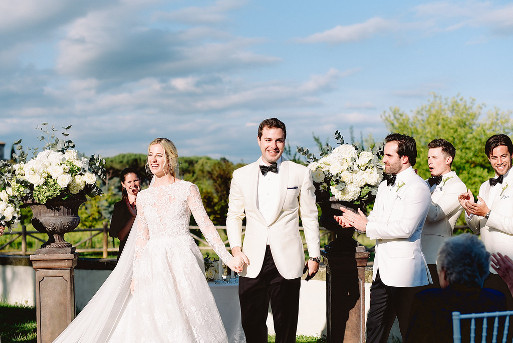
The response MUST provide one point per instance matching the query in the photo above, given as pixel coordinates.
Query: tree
(460, 121)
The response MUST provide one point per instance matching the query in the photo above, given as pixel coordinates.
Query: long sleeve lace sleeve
(205, 224)
(141, 239)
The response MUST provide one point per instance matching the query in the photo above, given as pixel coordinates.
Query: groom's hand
(237, 252)
(313, 267)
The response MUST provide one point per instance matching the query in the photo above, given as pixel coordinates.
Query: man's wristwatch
(315, 259)
(488, 214)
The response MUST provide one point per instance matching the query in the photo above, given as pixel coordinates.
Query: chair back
(495, 324)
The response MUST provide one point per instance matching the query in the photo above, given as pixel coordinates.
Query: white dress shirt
(268, 192)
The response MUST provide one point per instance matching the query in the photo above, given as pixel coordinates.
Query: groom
(271, 193)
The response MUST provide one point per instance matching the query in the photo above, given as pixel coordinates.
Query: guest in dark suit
(125, 210)
(463, 265)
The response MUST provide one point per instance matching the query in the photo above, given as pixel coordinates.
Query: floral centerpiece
(348, 173)
(57, 173)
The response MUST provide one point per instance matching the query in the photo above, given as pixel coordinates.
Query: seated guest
(125, 210)
(463, 265)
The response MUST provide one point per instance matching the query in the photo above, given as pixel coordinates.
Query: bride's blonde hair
(171, 154)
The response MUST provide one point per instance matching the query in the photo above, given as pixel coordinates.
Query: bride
(158, 291)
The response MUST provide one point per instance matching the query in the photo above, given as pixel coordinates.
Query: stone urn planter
(56, 218)
(345, 275)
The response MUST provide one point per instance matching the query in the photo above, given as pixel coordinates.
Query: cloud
(352, 33)
(217, 13)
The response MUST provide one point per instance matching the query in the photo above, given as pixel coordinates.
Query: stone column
(345, 291)
(55, 294)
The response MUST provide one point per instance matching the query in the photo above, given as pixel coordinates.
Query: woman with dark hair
(125, 210)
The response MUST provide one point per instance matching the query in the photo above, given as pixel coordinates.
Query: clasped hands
(478, 208)
(351, 219)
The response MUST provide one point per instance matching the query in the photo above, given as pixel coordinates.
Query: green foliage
(460, 121)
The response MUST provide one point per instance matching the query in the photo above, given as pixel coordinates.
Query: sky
(205, 73)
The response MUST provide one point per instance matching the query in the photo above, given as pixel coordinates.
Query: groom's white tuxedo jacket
(396, 223)
(296, 197)
(497, 231)
(443, 212)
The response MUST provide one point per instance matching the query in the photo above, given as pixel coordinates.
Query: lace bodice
(163, 212)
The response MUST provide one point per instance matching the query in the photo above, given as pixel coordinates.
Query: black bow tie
(273, 167)
(389, 178)
(494, 181)
(434, 180)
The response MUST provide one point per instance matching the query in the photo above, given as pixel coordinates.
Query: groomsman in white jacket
(492, 215)
(272, 194)
(445, 209)
(396, 222)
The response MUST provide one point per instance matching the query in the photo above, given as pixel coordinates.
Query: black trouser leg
(254, 296)
(381, 315)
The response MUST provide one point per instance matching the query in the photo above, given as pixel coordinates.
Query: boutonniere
(444, 180)
(399, 185)
(503, 189)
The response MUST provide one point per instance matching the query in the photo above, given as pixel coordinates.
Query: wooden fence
(24, 233)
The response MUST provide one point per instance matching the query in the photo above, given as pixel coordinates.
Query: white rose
(35, 179)
(318, 176)
(3, 206)
(372, 177)
(89, 178)
(8, 212)
(4, 196)
(313, 166)
(9, 191)
(63, 180)
(55, 157)
(346, 176)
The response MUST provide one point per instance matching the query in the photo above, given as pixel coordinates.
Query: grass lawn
(17, 323)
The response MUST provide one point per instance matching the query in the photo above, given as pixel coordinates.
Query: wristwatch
(488, 214)
(316, 259)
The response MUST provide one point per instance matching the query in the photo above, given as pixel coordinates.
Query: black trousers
(387, 302)
(255, 295)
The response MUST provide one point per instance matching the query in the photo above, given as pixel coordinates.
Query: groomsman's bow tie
(434, 180)
(273, 167)
(390, 179)
(494, 181)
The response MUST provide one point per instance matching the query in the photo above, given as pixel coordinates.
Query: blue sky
(205, 73)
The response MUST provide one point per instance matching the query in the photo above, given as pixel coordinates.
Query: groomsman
(492, 215)
(396, 222)
(271, 193)
(445, 209)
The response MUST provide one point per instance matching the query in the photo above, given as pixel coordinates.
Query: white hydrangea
(55, 171)
(64, 180)
(77, 184)
(313, 166)
(346, 150)
(70, 154)
(372, 177)
(365, 158)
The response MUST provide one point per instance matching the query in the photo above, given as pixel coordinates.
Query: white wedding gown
(171, 300)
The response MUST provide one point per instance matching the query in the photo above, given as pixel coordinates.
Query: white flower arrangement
(348, 173)
(57, 173)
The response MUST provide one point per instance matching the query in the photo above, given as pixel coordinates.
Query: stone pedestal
(55, 295)
(345, 294)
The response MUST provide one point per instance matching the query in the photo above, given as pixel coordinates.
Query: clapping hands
(352, 219)
(478, 208)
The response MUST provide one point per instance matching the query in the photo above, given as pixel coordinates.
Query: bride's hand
(236, 264)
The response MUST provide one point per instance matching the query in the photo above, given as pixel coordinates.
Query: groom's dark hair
(497, 140)
(406, 146)
(272, 123)
(446, 146)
